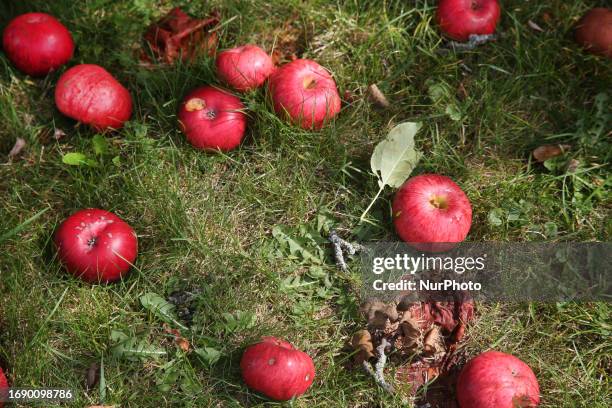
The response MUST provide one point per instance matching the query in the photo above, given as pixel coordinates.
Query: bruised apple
(276, 369)
(244, 68)
(212, 119)
(430, 210)
(497, 380)
(96, 245)
(458, 19)
(594, 31)
(91, 95)
(305, 92)
(37, 43)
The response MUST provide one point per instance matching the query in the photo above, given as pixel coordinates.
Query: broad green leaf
(495, 217)
(99, 144)
(208, 354)
(453, 112)
(78, 159)
(395, 157)
(295, 246)
(131, 347)
(161, 308)
(117, 161)
(102, 384)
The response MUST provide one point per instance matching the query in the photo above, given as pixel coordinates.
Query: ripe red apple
(244, 68)
(458, 19)
(594, 31)
(497, 380)
(37, 43)
(96, 245)
(90, 94)
(3, 387)
(430, 209)
(276, 369)
(306, 92)
(212, 119)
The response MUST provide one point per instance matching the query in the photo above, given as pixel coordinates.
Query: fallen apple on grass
(96, 245)
(497, 380)
(3, 386)
(305, 92)
(212, 119)
(458, 19)
(91, 95)
(37, 43)
(244, 68)
(430, 211)
(276, 369)
(594, 31)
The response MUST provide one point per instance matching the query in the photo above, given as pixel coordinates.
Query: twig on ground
(474, 41)
(378, 372)
(340, 245)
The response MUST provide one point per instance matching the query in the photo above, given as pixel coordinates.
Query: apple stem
(92, 242)
(362, 218)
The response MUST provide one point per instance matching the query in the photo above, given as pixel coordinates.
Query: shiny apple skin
(244, 68)
(91, 95)
(37, 43)
(305, 92)
(212, 119)
(431, 209)
(458, 19)
(96, 245)
(276, 369)
(497, 380)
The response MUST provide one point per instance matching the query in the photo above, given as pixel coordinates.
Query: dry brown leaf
(17, 147)
(432, 342)
(546, 152)
(377, 97)
(572, 166)
(535, 26)
(58, 134)
(410, 331)
(179, 340)
(178, 36)
(362, 342)
(93, 376)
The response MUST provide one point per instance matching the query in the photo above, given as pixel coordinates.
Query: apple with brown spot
(276, 369)
(497, 380)
(96, 245)
(212, 119)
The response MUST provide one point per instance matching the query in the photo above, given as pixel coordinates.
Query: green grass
(205, 220)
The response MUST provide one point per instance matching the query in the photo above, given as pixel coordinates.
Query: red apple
(90, 94)
(305, 92)
(212, 119)
(37, 43)
(594, 31)
(96, 245)
(276, 369)
(3, 387)
(458, 19)
(497, 380)
(244, 68)
(430, 209)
